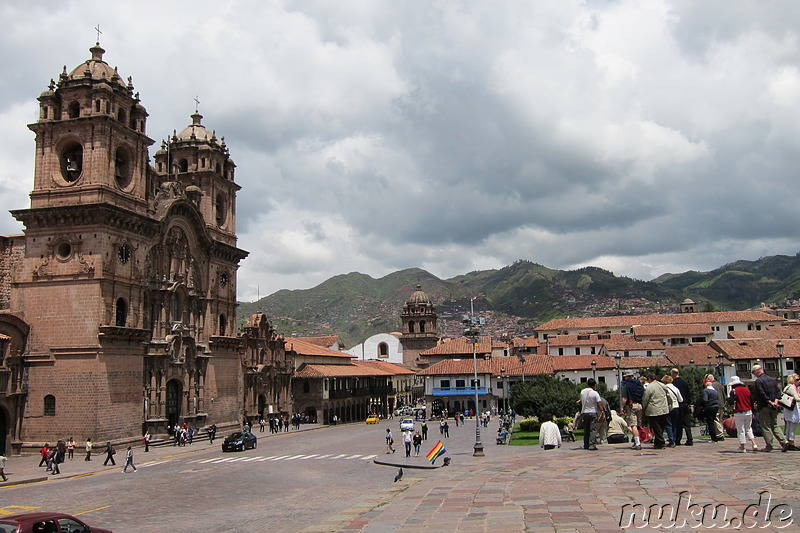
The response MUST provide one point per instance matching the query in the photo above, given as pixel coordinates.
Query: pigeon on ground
(399, 475)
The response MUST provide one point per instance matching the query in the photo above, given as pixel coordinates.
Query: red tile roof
(386, 366)
(756, 348)
(582, 362)
(302, 347)
(788, 331)
(534, 364)
(573, 340)
(326, 341)
(635, 363)
(601, 322)
(461, 346)
(684, 355)
(526, 342)
(354, 369)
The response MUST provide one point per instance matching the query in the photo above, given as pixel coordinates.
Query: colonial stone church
(118, 302)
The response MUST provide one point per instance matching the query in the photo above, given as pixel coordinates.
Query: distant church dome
(419, 297)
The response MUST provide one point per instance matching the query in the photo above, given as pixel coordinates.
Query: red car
(45, 523)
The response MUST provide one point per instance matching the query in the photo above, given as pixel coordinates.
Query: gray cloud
(641, 136)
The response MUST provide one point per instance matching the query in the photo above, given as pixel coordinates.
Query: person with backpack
(630, 399)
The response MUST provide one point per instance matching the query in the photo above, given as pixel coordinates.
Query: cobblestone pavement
(576, 490)
(510, 489)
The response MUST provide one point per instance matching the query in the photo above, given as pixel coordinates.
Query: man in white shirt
(549, 434)
(590, 410)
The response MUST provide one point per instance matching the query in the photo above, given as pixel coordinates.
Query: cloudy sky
(642, 136)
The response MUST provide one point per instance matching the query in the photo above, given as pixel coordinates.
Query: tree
(545, 394)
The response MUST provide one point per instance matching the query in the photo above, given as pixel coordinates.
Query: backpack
(634, 390)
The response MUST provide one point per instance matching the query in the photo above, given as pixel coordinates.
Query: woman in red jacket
(742, 413)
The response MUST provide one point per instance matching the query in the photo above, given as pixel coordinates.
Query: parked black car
(239, 441)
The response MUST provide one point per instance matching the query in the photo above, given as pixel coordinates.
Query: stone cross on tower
(196, 104)
(97, 29)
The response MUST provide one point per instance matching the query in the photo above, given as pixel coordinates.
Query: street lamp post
(505, 389)
(617, 359)
(720, 368)
(594, 370)
(522, 361)
(779, 347)
(473, 332)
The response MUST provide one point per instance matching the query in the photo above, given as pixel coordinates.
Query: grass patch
(531, 438)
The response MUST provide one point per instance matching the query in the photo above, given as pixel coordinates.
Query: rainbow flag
(436, 452)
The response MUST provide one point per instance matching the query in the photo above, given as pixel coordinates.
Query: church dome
(196, 131)
(96, 69)
(419, 297)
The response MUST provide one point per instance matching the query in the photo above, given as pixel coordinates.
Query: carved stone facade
(118, 303)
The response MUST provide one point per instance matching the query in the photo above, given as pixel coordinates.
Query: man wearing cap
(685, 418)
(591, 407)
(767, 395)
(630, 405)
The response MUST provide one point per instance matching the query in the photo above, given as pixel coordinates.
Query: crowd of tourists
(659, 411)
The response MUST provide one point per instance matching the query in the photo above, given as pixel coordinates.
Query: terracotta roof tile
(581, 362)
(302, 347)
(787, 331)
(684, 355)
(461, 346)
(601, 322)
(324, 341)
(534, 364)
(756, 348)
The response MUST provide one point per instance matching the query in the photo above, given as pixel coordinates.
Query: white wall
(369, 348)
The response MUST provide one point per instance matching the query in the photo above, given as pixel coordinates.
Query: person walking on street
(389, 441)
(742, 413)
(685, 417)
(424, 426)
(212, 432)
(110, 451)
(44, 452)
(446, 429)
(129, 461)
(767, 394)
(146, 440)
(407, 441)
(88, 450)
(71, 448)
(591, 407)
(417, 441)
(3, 460)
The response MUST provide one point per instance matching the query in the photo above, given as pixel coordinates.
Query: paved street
(326, 480)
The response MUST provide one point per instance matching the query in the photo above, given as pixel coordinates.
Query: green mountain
(518, 297)
(741, 284)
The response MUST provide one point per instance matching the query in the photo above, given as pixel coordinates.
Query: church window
(121, 115)
(97, 105)
(222, 323)
(306, 387)
(64, 250)
(49, 405)
(122, 313)
(122, 169)
(411, 326)
(71, 162)
(202, 162)
(183, 166)
(223, 279)
(422, 326)
(221, 210)
(74, 110)
(176, 307)
(217, 168)
(383, 350)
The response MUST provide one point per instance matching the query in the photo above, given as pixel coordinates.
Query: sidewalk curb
(404, 465)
